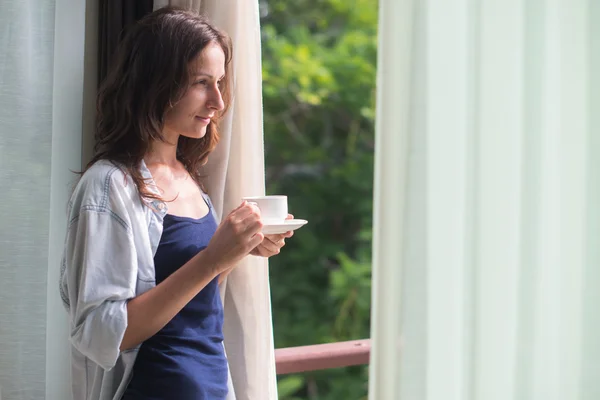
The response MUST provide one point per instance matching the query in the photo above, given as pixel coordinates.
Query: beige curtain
(236, 169)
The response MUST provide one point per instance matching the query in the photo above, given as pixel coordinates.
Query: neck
(163, 152)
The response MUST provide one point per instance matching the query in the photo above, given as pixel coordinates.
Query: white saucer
(286, 226)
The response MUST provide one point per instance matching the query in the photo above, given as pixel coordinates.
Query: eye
(201, 82)
(220, 83)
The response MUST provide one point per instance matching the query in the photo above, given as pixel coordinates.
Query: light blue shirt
(112, 237)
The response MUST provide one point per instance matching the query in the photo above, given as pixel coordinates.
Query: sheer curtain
(492, 291)
(43, 108)
(26, 65)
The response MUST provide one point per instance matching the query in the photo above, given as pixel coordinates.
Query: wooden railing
(322, 356)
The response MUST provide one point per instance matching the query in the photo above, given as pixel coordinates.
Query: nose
(215, 101)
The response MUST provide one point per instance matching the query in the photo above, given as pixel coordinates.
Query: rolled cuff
(100, 335)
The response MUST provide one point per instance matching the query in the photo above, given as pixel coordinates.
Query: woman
(144, 254)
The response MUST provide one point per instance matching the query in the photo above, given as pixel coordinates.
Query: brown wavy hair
(150, 73)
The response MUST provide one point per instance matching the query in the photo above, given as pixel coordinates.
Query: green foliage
(289, 385)
(319, 67)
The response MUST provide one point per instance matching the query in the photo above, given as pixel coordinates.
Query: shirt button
(161, 206)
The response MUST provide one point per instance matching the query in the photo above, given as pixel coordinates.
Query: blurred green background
(319, 69)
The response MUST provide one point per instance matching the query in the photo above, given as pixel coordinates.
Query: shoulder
(100, 174)
(103, 187)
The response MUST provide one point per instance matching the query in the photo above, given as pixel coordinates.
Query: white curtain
(236, 169)
(43, 108)
(26, 40)
(492, 289)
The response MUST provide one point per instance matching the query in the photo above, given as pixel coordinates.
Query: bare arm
(223, 276)
(151, 311)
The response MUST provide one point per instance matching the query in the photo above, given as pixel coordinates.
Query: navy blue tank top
(185, 359)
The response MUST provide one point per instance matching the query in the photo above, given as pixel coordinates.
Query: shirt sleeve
(100, 277)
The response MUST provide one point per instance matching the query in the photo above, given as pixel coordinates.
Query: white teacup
(273, 209)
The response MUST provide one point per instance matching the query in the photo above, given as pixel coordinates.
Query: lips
(206, 120)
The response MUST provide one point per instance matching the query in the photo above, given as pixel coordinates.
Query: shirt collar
(157, 205)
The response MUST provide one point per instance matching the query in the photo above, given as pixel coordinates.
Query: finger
(242, 204)
(262, 251)
(272, 246)
(252, 227)
(253, 219)
(244, 210)
(290, 216)
(256, 240)
(240, 207)
(275, 238)
(246, 216)
(254, 208)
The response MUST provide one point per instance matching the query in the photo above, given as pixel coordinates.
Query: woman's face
(191, 115)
